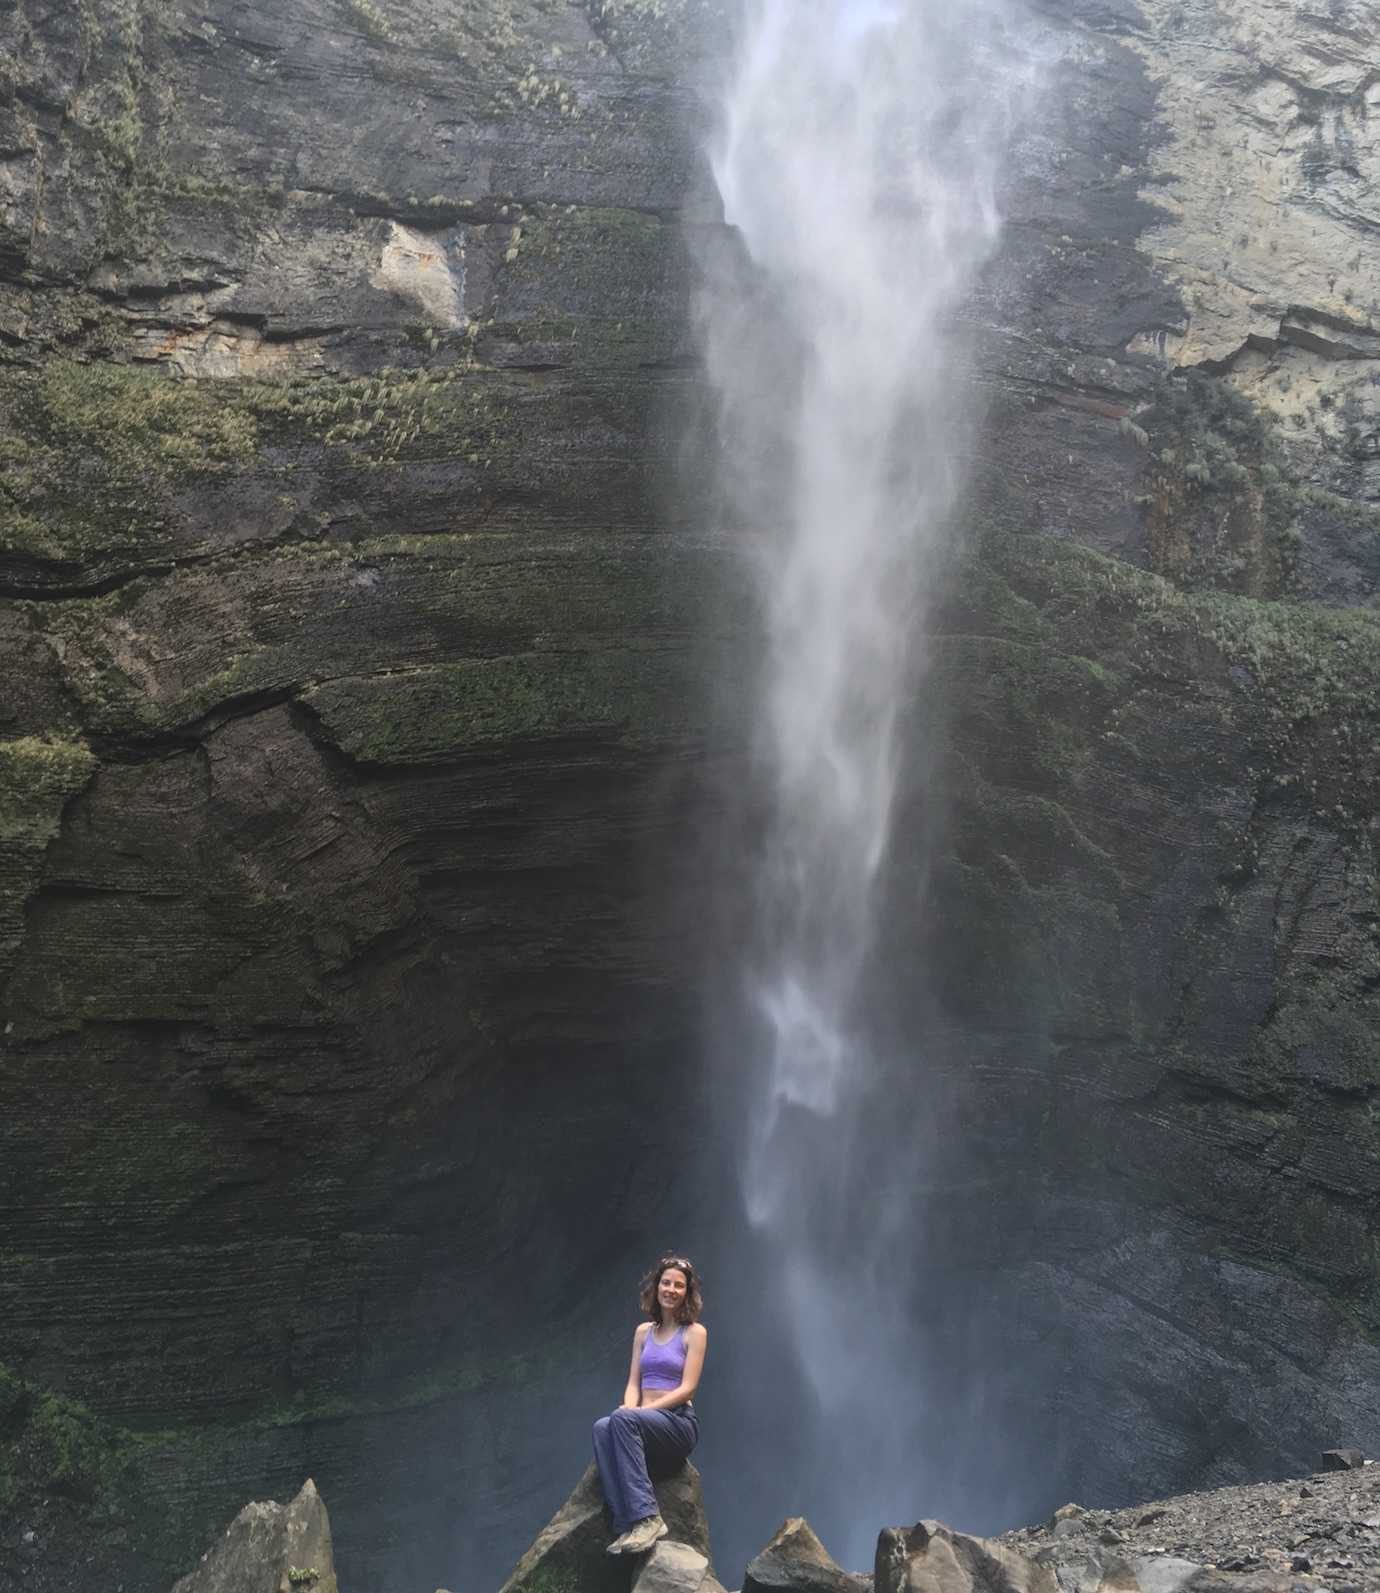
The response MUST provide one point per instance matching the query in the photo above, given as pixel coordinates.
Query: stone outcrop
(673, 1567)
(930, 1558)
(795, 1561)
(282, 1548)
(569, 1551)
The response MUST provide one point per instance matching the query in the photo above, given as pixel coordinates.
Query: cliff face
(348, 715)
(1144, 962)
(1158, 960)
(355, 643)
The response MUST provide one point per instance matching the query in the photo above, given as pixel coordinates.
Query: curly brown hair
(690, 1307)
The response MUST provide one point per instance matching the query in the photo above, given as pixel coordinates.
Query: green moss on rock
(51, 1443)
(1221, 499)
(1168, 858)
(1302, 661)
(93, 448)
(99, 454)
(611, 280)
(423, 715)
(36, 779)
(121, 116)
(390, 415)
(47, 321)
(161, 654)
(370, 17)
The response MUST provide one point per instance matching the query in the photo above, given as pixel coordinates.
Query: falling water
(857, 155)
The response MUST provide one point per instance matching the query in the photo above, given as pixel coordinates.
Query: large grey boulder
(930, 1558)
(671, 1567)
(795, 1561)
(569, 1549)
(270, 1548)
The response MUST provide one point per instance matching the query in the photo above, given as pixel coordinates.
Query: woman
(654, 1429)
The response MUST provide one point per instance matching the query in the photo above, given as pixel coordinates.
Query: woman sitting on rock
(655, 1428)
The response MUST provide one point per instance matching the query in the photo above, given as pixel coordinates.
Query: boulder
(1342, 1460)
(1097, 1570)
(1164, 1573)
(1088, 1568)
(671, 1567)
(270, 1548)
(569, 1549)
(795, 1561)
(930, 1558)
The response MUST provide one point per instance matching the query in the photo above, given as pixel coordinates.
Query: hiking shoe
(618, 1545)
(641, 1536)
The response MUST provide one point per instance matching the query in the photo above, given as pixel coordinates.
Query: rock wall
(355, 628)
(349, 715)
(1149, 992)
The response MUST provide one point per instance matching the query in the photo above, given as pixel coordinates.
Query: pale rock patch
(420, 270)
(671, 1567)
(270, 1548)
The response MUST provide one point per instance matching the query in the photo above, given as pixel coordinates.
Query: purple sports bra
(663, 1364)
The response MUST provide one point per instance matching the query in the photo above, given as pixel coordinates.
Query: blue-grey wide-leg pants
(632, 1447)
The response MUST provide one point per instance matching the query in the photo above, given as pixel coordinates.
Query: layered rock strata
(348, 714)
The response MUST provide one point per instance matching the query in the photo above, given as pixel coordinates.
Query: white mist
(857, 154)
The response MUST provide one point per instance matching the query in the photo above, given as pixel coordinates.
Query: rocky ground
(1317, 1533)
(1322, 1531)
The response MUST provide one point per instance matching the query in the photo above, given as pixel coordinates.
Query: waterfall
(857, 153)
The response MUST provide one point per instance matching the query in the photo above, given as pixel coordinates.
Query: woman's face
(671, 1289)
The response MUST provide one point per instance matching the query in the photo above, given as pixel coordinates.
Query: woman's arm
(695, 1340)
(632, 1393)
